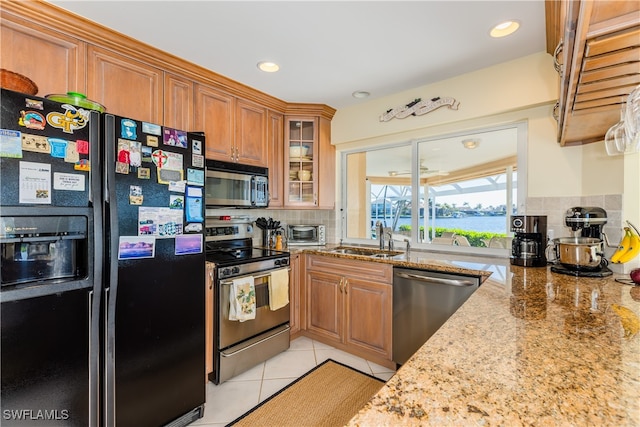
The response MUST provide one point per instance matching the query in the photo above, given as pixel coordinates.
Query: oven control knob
(226, 272)
(235, 270)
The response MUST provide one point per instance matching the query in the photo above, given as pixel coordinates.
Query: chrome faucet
(390, 241)
(408, 249)
(380, 228)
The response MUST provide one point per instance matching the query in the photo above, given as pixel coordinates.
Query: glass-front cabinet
(301, 154)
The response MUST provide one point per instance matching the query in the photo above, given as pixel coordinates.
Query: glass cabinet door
(301, 152)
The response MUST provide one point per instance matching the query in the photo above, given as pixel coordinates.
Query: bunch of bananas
(629, 246)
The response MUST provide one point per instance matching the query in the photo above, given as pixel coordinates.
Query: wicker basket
(17, 82)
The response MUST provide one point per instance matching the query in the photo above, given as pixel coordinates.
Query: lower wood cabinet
(294, 294)
(349, 305)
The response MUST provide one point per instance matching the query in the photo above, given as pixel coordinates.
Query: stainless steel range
(241, 344)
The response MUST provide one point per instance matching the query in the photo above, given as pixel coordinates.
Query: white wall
(523, 89)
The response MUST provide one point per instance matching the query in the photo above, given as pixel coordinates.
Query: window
(464, 195)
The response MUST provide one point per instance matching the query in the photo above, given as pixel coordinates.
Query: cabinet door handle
(341, 285)
(346, 283)
(556, 62)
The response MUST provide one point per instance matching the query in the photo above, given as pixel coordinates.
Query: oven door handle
(259, 276)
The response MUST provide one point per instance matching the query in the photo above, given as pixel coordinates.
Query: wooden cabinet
(251, 134)
(597, 50)
(236, 129)
(178, 102)
(63, 52)
(126, 87)
(55, 62)
(275, 158)
(309, 180)
(214, 113)
(349, 305)
(294, 294)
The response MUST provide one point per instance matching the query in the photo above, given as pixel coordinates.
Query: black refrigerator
(154, 349)
(103, 289)
(50, 285)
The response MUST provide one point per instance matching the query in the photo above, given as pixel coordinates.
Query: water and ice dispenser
(43, 248)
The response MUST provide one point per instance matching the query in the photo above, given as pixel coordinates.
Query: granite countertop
(529, 347)
(432, 261)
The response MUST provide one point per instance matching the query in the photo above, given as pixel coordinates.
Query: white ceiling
(328, 49)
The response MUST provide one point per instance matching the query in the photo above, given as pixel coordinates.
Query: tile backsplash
(325, 217)
(555, 207)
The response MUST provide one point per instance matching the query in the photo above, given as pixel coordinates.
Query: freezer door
(45, 360)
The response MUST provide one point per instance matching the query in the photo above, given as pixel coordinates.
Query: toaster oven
(306, 235)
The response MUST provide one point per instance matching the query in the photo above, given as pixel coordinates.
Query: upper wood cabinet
(251, 133)
(236, 130)
(309, 180)
(178, 102)
(54, 61)
(62, 52)
(214, 115)
(275, 153)
(125, 87)
(597, 49)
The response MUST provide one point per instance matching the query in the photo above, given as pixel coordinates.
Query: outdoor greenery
(475, 237)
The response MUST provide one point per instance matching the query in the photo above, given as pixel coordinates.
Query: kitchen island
(529, 347)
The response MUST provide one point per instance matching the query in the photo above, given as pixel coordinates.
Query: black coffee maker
(529, 240)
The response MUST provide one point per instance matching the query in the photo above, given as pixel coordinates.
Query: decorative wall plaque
(419, 107)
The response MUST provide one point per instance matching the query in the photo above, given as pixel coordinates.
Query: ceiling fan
(424, 171)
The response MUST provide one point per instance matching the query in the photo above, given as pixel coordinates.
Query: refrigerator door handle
(108, 392)
(94, 154)
(89, 361)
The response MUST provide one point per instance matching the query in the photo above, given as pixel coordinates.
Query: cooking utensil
(580, 253)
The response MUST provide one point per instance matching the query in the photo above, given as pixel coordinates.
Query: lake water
(493, 224)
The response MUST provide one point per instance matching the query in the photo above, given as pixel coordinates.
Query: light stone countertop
(432, 261)
(542, 349)
(529, 347)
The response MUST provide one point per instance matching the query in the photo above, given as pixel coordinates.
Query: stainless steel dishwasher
(422, 303)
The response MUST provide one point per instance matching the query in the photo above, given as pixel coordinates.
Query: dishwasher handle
(437, 280)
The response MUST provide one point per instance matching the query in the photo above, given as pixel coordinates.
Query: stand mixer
(583, 253)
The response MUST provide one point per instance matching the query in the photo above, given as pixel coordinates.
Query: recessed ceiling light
(360, 94)
(269, 67)
(471, 143)
(504, 28)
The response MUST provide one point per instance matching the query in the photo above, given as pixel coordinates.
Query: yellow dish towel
(242, 299)
(279, 289)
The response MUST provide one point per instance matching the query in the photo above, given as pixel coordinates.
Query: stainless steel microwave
(236, 185)
(306, 235)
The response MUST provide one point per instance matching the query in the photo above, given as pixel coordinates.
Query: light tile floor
(229, 400)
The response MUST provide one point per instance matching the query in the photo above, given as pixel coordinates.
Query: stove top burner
(601, 272)
(242, 257)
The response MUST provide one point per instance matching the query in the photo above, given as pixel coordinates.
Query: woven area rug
(328, 395)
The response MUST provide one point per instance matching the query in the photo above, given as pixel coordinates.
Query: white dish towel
(242, 299)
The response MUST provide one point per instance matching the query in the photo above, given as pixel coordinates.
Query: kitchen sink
(367, 252)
